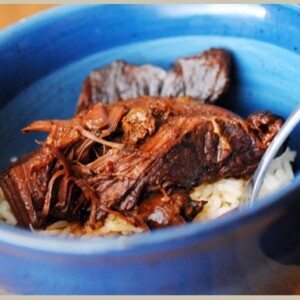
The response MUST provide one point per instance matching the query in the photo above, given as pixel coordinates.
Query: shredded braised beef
(137, 158)
(140, 157)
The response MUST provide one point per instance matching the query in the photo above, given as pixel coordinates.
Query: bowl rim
(55, 13)
(24, 239)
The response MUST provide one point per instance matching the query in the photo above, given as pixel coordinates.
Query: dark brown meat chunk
(119, 81)
(163, 210)
(25, 186)
(137, 124)
(204, 76)
(96, 164)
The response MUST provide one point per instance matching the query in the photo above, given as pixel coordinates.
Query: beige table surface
(11, 13)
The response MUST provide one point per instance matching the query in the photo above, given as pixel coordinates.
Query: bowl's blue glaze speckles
(43, 61)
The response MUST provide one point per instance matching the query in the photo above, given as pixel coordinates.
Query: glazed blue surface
(43, 63)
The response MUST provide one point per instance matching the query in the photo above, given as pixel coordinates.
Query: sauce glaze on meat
(136, 158)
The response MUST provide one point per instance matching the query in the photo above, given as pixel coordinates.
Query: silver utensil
(252, 189)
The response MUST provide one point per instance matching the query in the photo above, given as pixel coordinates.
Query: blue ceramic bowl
(43, 61)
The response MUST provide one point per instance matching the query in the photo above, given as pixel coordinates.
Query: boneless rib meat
(204, 76)
(138, 158)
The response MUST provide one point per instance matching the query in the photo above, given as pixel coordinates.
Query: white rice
(112, 225)
(224, 195)
(221, 196)
(6, 214)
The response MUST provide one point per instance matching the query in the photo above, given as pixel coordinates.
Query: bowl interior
(263, 73)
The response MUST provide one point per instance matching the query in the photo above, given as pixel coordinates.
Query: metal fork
(252, 189)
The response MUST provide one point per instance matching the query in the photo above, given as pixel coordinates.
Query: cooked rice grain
(225, 194)
(6, 214)
(112, 225)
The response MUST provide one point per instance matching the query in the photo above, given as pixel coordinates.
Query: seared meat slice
(119, 81)
(108, 160)
(204, 76)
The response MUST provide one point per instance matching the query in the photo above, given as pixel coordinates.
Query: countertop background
(11, 13)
